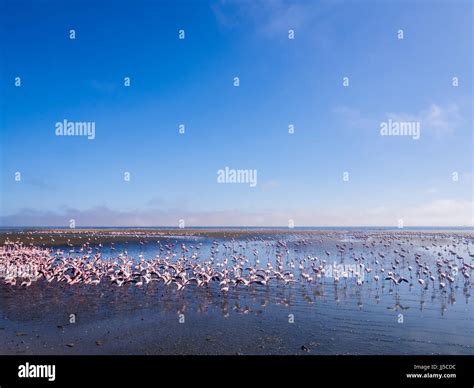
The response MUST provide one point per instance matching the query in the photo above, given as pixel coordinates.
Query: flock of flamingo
(181, 264)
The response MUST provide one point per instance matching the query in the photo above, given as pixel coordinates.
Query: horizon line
(234, 227)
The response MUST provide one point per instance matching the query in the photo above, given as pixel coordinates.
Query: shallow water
(319, 317)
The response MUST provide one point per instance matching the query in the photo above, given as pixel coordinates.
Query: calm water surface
(318, 317)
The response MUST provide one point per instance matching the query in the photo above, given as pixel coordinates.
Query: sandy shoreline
(66, 236)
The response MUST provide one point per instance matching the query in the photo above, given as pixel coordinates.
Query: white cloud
(441, 212)
(271, 18)
(354, 119)
(436, 119)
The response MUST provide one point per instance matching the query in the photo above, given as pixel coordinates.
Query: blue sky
(282, 82)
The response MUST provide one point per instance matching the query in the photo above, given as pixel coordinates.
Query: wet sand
(129, 321)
